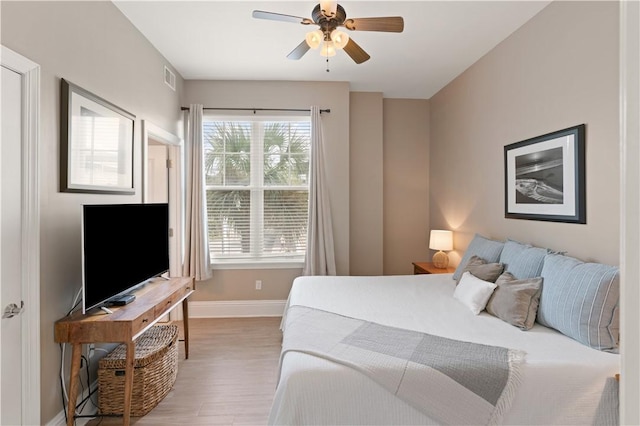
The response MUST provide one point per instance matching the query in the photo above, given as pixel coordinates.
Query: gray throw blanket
(452, 382)
(607, 411)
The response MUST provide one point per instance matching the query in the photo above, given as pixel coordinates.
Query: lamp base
(440, 260)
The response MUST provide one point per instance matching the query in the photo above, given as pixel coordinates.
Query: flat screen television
(123, 247)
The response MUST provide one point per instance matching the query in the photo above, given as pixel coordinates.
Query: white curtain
(196, 258)
(320, 258)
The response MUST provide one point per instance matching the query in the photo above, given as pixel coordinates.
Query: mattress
(562, 381)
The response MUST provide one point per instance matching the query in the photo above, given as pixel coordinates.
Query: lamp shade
(441, 240)
(328, 49)
(339, 39)
(314, 39)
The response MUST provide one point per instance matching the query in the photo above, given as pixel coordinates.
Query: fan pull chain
(327, 64)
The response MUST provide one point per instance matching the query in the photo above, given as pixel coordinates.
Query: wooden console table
(124, 325)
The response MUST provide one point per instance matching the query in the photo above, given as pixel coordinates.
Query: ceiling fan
(329, 15)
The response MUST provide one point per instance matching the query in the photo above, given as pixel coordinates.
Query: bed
(558, 380)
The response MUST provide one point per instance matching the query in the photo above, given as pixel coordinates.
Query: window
(257, 188)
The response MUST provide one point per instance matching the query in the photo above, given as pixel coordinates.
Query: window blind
(256, 176)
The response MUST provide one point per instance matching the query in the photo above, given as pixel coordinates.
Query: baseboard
(236, 308)
(89, 409)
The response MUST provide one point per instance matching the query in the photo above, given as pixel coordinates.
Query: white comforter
(562, 380)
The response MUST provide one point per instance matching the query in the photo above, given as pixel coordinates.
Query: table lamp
(440, 240)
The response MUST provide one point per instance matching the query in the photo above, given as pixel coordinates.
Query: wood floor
(229, 378)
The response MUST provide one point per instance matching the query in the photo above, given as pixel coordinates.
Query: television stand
(124, 325)
(125, 299)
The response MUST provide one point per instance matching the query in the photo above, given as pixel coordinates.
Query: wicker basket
(155, 370)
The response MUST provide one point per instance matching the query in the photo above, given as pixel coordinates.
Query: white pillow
(474, 292)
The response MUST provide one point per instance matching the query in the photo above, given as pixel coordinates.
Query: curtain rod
(258, 109)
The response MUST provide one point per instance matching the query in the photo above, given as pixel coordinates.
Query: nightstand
(428, 268)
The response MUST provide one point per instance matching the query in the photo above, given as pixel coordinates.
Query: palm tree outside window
(257, 188)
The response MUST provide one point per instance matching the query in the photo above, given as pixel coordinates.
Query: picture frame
(545, 177)
(96, 143)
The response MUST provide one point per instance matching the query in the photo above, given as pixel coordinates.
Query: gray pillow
(581, 300)
(479, 268)
(522, 260)
(487, 249)
(516, 301)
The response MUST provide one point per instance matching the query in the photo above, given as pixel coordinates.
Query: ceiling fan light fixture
(314, 38)
(329, 16)
(328, 49)
(329, 8)
(339, 38)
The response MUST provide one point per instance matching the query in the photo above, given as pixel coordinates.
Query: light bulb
(314, 38)
(329, 8)
(339, 39)
(328, 49)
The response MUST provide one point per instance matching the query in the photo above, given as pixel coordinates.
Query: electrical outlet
(258, 284)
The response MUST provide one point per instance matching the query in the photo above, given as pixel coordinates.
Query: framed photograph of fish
(544, 177)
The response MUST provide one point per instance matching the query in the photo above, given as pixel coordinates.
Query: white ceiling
(220, 40)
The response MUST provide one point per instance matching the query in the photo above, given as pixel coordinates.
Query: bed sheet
(562, 380)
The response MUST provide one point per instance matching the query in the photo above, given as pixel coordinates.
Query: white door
(11, 249)
(158, 173)
(19, 241)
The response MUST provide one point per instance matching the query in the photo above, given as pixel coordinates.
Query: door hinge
(171, 232)
(169, 163)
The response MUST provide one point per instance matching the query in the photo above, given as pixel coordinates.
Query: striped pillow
(581, 301)
(522, 260)
(484, 248)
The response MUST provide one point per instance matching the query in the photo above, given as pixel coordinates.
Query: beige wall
(94, 46)
(366, 181)
(406, 184)
(382, 203)
(240, 284)
(559, 70)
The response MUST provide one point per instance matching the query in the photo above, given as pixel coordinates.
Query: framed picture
(545, 177)
(96, 144)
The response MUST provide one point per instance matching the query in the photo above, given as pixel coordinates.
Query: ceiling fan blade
(299, 51)
(261, 14)
(356, 52)
(392, 24)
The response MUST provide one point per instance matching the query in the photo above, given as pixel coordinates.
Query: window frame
(257, 191)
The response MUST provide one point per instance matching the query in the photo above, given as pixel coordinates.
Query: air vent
(169, 78)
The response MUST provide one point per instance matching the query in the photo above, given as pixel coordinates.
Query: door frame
(175, 154)
(629, 212)
(30, 72)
